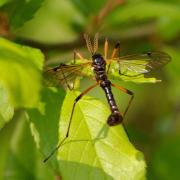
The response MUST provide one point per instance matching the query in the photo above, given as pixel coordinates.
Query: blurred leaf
(21, 154)
(146, 10)
(2, 2)
(44, 120)
(166, 159)
(6, 134)
(169, 28)
(173, 73)
(174, 66)
(89, 7)
(22, 159)
(21, 11)
(20, 73)
(94, 150)
(6, 110)
(55, 22)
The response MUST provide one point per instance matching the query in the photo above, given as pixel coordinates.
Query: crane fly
(129, 65)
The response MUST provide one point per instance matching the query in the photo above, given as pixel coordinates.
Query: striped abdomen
(115, 117)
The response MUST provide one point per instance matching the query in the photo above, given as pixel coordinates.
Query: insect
(130, 65)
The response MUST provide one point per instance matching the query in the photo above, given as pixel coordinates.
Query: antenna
(88, 43)
(92, 49)
(96, 42)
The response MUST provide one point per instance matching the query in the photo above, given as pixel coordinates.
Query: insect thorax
(99, 66)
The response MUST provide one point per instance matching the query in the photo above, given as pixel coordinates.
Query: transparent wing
(64, 75)
(136, 64)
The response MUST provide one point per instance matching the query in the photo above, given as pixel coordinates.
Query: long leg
(114, 54)
(68, 130)
(127, 92)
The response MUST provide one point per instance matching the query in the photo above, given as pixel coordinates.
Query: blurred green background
(57, 27)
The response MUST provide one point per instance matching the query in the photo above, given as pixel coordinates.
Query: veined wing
(134, 65)
(65, 75)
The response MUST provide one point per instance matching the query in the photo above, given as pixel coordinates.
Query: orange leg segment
(127, 92)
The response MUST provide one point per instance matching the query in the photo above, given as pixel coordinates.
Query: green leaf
(136, 79)
(21, 159)
(6, 134)
(21, 11)
(94, 150)
(44, 120)
(17, 164)
(20, 73)
(6, 109)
